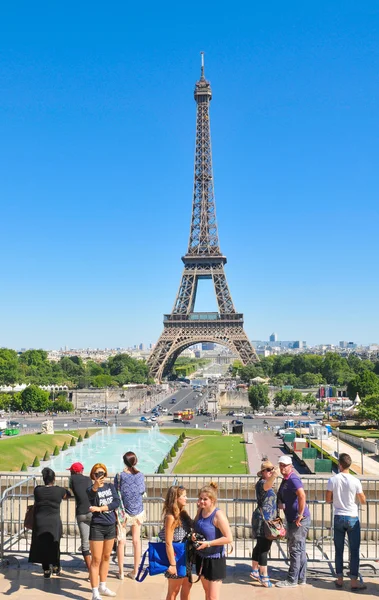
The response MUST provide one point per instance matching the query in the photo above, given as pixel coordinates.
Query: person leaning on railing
(266, 509)
(47, 526)
(342, 490)
(79, 484)
(291, 497)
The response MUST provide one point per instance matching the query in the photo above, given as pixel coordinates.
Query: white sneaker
(107, 592)
(96, 597)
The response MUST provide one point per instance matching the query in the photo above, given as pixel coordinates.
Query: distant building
(141, 346)
(208, 346)
(273, 337)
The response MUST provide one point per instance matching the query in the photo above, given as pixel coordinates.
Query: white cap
(285, 460)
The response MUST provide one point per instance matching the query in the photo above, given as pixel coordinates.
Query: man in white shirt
(343, 490)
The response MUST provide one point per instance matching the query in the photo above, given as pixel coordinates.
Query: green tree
(5, 400)
(365, 384)
(36, 462)
(258, 396)
(80, 438)
(24, 467)
(102, 381)
(46, 456)
(282, 398)
(86, 435)
(309, 400)
(369, 409)
(34, 399)
(172, 452)
(62, 406)
(72, 442)
(65, 446)
(165, 464)
(56, 451)
(309, 380)
(9, 371)
(160, 469)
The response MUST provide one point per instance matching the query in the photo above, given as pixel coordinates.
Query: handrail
(4, 496)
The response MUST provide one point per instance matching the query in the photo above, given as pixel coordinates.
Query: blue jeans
(296, 537)
(352, 527)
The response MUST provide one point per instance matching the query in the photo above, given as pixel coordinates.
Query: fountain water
(150, 447)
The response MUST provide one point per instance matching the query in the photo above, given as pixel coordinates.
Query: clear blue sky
(97, 127)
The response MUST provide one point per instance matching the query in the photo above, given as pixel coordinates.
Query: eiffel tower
(204, 260)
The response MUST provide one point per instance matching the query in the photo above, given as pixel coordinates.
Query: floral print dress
(267, 502)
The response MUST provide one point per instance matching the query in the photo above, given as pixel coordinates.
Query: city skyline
(97, 166)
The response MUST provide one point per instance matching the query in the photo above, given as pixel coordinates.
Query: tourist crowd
(104, 512)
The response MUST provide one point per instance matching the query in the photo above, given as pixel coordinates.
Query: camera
(199, 539)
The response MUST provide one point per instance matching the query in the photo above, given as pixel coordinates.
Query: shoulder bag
(273, 529)
(158, 560)
(29, 517)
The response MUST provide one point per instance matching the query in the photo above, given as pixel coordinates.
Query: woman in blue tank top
(213, 524)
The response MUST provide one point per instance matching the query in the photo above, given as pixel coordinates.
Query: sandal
(131, 575)
(338, 585)
(120, 575)
(265, 581)
(255, 574)
(47, 574)
(359, 588)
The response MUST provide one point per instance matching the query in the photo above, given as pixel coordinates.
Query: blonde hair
(210, 491)
(170, 506)
(95, 467)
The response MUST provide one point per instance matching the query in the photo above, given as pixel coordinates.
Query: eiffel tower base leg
(175, 339)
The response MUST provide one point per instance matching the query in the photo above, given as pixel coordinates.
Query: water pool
(108, 447)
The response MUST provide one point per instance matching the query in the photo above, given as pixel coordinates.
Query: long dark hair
(48, 476)
(130, 461)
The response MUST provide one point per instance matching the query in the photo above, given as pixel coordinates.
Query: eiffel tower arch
(183, 327)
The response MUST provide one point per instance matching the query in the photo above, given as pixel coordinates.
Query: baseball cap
(285, 460)
(76, 467)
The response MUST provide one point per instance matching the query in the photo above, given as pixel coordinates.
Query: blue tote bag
(158, 561)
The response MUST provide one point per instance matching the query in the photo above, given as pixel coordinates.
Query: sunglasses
(269, 470)
(99, 474)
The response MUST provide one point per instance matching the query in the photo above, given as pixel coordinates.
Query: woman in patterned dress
(130, 484)
(177, 524)
(266, 499)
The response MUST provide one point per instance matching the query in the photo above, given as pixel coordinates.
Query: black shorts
(212, 569)
(99, 533)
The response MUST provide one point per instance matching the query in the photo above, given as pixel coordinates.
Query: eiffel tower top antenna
(202, 65)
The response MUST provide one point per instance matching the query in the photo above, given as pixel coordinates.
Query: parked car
(164, 409)
(230, 413)
(249, 417)
(237, 422)
(240, 414)
(145, 419)
(279, 414)
(14, 424)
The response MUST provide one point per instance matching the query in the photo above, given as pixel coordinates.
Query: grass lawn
(23, 448)
(213, 454)
(364, 433)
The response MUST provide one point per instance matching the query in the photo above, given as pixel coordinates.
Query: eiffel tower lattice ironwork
(203, 260)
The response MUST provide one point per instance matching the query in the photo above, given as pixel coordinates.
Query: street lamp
(338, 441)
(362, 440)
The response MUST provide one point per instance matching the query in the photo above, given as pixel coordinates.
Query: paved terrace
(21, 580)
(267, 444)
